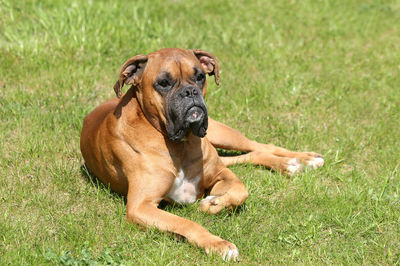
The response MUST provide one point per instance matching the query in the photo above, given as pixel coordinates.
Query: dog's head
(170, 87)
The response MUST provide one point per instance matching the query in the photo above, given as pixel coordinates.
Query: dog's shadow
(229, 153)
(94, 181)
(164, 205)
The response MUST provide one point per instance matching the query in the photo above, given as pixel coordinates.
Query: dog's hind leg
(225, 137)
(281, 164)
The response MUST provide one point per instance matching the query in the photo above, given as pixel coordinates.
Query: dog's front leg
(228, 192)
(142, 209)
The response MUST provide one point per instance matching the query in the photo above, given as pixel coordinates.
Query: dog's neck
(189, 149)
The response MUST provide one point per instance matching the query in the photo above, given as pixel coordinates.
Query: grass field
(317, 76)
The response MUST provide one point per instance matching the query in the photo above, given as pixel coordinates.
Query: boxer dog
(150, 144)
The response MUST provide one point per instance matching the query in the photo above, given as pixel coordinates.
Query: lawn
(308, 75)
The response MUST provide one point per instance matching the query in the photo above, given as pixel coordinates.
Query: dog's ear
(209, 63)
(130, 73)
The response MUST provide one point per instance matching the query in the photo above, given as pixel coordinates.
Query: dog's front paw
(226, 249)
(211, 204)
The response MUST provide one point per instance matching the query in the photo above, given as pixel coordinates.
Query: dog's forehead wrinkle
(164, 74)
(178, 74)
(179, 65)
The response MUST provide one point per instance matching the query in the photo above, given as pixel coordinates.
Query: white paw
(315, 162)
(293, 166)
(231, 254)
(208, 198)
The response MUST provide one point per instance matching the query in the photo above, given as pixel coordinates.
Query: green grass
(307, 75)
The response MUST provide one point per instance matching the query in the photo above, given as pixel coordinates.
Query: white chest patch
(184, 190)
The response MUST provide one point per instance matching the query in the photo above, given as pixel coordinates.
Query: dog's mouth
(195, 120)
(194, 114)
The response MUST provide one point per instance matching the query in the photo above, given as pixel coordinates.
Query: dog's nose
(189, 92)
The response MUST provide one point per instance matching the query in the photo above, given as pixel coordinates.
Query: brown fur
(124, 143)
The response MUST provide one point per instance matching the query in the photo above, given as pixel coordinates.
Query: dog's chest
(185, 189)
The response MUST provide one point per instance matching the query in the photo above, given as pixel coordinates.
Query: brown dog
(150, 145)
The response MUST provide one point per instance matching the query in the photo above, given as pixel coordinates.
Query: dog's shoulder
(100, 112)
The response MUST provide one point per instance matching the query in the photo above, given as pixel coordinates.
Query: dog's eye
(163, 83)
(200, 77)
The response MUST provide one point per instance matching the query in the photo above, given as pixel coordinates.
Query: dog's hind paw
(310, 159)
(315, 162)
(293, 166)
